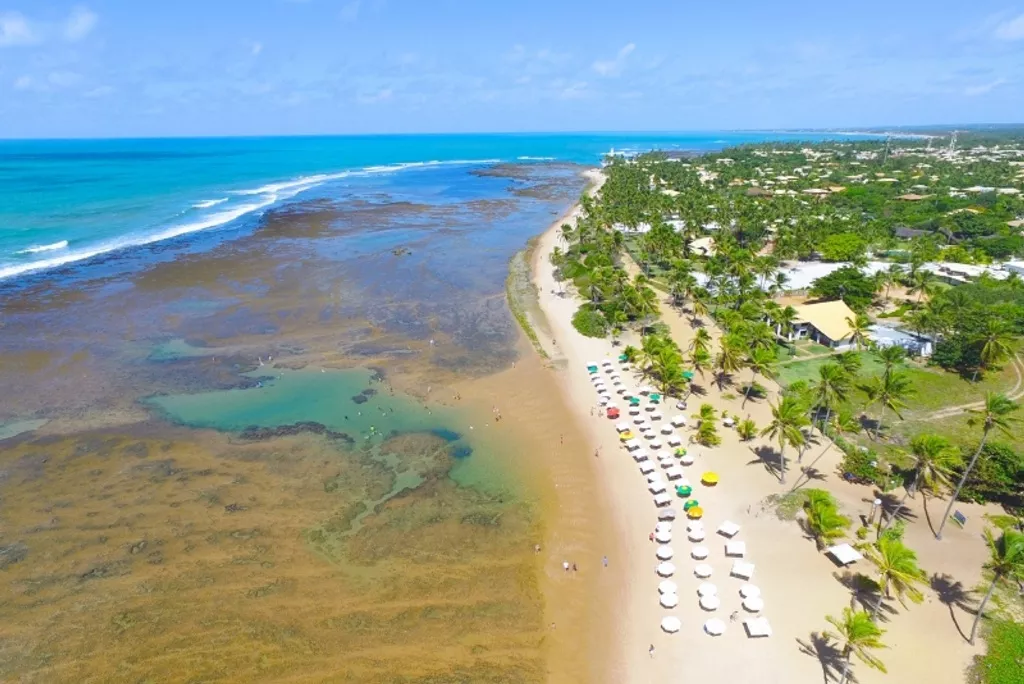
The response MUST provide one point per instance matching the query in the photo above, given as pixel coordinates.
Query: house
(825, 323)
(916, 345)
(905, 233)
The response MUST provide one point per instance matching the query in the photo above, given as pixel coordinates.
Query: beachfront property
(914, 344)
(824, 323)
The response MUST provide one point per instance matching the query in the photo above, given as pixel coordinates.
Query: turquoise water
(63, 201)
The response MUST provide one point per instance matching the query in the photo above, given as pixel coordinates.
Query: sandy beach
(799, 585)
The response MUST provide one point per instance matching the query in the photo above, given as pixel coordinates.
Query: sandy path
(797, 582)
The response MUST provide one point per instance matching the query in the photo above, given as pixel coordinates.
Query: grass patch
(788, 373)
(787, 506)
(1004, 660)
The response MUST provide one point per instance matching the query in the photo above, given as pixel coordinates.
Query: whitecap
(44, 248)
(206, 204)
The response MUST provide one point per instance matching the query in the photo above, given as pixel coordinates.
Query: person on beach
(605, 561)
(651, 536)
(565, 565)
(574, 568)
(650, 651)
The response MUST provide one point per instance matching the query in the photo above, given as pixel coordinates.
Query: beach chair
(959, 518)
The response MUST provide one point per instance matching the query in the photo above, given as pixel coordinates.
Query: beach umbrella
(613, 412)
(634, 401)
(616, 382)
(709, 478)
(667, 514)
(684, 491)
(634, 410)
(671, 624)
(663, 525)
(621, 389)
(691, 504)
(656, 415)
(669, 600)
(663, 537)
(750, 591)
(666, 429)
(664, 553)
(686, 460)
(667, 587)
(639, 420)
(623, 358)
(666, 569)
(699, 552)
(655, 397)
(695, 513)
(606, 362)
(710, 602)
(679, 421)
(603, 399)
(702, 570)
(707, 589)
(674, 440)
(644, 428)
(696, 535)
(626, 436)
(655, 444)
(753, 604)
(688, 375)
(714, 627)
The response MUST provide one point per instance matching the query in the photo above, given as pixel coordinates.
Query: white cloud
(613, 67)
(1011, 29)
(256, 48)
(23, 83)
(79, 23)
(15, 29)
(101, 91)
(373, 98)
(350, 12)
(984, 88)
(63, 79)
(574, 91)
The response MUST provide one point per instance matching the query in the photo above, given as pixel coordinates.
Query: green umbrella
(634, 401)
(692, 503)
(623, 358)
(688, 375)
(684, 491)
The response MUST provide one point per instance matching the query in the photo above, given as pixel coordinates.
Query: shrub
(707, 434)
(747, 430)
(859, 465)
(590, 322)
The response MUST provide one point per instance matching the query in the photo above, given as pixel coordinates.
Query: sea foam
(44, 248)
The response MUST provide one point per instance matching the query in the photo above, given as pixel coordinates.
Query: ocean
(64, 201)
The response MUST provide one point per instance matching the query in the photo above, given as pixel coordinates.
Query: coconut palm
(995, 341)
(730, 357)
(859, 636)
(831, 389)
(860, 326)
(898, 572)
(843, 422)
(789, 417)
(701, 340)
(700, 360)
(1006, 562)
(890, 357)
(760, 362)
(699, 305)
(996, 414)
(934, 461)
(850, 362)
(889, 392)
(824, 520)
(922, 283)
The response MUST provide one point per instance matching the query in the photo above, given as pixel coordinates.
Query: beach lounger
(662, 500)
(742, 569)
(646, 468)
(736, 549)
(667, 515)
(843, 554)
(674, 473)
(728, 529)
(666, 429)
(675, 440)
(622, 427)
(679, 421)
(633, 444)
(657, 488)
(639, 455)
(758, 627)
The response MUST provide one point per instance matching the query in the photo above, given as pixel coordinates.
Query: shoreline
(799, 584)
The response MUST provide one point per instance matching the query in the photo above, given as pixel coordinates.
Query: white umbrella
(754, 605)
(634, 410)
(646, 468)
(707, 589)
(678, 421)
(671, 624)
(621, 427)
(604, 399)
(650, 434)
(714, 627)
(663, 536)
(694, 525)
(667, 587)
(654, 477)
(655, 444)
(686, 460)
(663, 525)
(696, 536)
(669, 600)
(702, 570)
(667, 429)
(616, 381)
(664, 553)
(674, 440)
(656, 415)
(604, 391)
(651, 408)
(710, 602)
(621, 390)
(668, 514)
(606, 362)
(699, 552)
(639, 420)
(640, 455)
(644, 428)
(666, 569)
(615, 376)
(750, 591)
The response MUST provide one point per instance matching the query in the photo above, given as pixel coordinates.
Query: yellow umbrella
(626, 436)
(709, 478)
(695, 513)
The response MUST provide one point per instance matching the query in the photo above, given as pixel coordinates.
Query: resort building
(824, 323)
(915, 345)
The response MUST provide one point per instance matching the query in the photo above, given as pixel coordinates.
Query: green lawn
(808, 370)
(1001, 664)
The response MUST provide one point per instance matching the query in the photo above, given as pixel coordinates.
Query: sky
(113, 68)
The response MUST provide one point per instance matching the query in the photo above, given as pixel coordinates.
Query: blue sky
(249, 67)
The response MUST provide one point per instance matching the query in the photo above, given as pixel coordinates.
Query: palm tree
(843, 422)
(860, 326)
(921, 283)
(996, 414)
(890, 357)
(760, 362)
(700, 360)
(823, 518)
(701, 340)
(729, 359)
(831, 389)
(995, 343)
(897, 571)
(850, 362)
(934, 461)
(1006, 562)
(889, 392)
(698, 305)
(789, 416)
(859, 636)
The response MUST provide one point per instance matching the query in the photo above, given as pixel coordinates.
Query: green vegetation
(824, 521)
(517, 289)
(1001, 664)
(590, 322)
(858, 635)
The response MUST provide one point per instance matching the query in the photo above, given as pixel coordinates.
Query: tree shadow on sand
(723, 380)
(891, 505)
(828, 655)
(953, 595)
(807, 475)
(768, 458)
(864, 594)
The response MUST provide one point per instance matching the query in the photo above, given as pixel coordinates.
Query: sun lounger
(742, 569)
(844, 554)
(622, 427)
(662, 500)
(645, 467)
(639, 455)
(656, 487)
(758, 627)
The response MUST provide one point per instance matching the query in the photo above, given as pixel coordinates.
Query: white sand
(797, 582)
